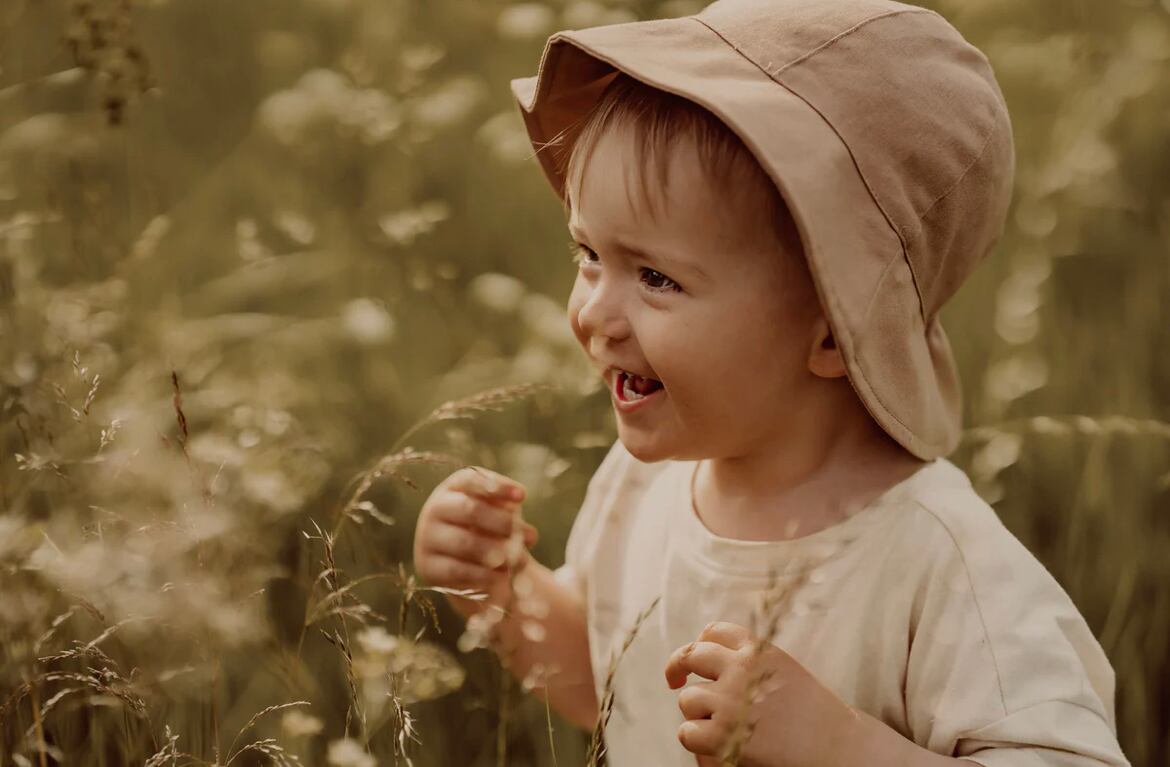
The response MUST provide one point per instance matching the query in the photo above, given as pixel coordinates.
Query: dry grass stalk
(765, 626)
(329, 574)
(168, 753)
(595, 757)
(328, 604)
(492, 399)
(1071, 425)
(412, 593)
(387, 466)
(271, 749)
(255, 718)
(36, 710)
(184, 436)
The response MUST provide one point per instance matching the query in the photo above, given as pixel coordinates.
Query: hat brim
(902, 371)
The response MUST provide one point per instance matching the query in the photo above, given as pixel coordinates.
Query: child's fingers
(443, 570)
(707, 659)
(470, 511)
(465, 544)
(487, 484)
(702, 736)
(698, 701)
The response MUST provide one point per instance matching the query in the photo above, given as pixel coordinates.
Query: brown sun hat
(884, 130)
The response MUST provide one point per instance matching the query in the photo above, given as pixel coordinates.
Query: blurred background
(248, 248)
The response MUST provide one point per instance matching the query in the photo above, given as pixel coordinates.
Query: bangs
(659, 121)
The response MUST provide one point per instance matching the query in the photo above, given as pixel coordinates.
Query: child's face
(711, 313)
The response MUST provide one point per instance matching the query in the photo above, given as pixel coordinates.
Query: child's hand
(796, 720)
(469, 531)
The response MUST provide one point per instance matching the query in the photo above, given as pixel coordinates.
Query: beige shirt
(921, 609)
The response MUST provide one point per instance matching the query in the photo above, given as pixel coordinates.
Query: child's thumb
(530, 534)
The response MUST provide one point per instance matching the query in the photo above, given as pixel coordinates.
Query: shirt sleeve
(1003, 670)
(587, 524)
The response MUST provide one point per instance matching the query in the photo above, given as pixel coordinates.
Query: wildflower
(525, 20)
(367, 322)
(499, 292)
(376, 640)
(297, 724)
(347, 752)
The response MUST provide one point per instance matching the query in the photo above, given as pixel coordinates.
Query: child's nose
(602, 312)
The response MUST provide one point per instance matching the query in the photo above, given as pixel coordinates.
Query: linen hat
(885, 133)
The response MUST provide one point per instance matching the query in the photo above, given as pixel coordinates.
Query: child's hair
(659, 119)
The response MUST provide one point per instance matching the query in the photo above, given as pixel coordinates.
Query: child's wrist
(866, 740)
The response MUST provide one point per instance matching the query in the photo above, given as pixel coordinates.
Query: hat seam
(877, 283)
(995, 128)
(947, 193)
(914, 437)
(843, 34)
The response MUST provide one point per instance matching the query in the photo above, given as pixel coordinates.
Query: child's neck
(741, 498)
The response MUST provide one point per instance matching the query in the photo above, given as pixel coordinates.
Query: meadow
(270, 270)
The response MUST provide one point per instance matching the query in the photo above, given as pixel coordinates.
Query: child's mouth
(633, 388)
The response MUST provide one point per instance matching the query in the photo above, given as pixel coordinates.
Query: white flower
(1000, 452)
(450, 102)
(582, 14)
(147, 242)
(537, 363)
(272, 488)
(347, 752)
(376, 640)
(498, 292)
(404, 226)
(326, 87)
(299, 228)
(505, 137)
(478, 630)
(248, 242)
(546, 318)
(367, 321)
(285, 115)
(296, 723)
(373, 113)
(422, 56)
(524, 21)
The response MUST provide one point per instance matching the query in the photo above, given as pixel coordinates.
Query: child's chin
(646, 447)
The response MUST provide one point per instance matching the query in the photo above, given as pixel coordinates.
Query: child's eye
(658, 281)
(665, 284)
(579, 252)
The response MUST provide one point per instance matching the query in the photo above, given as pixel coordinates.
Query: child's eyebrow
(627, 249)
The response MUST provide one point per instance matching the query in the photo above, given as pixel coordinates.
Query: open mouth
(631, 387)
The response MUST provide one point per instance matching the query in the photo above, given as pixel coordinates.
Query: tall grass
(257, 261)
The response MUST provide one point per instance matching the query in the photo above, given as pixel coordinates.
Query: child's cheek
(575, 302)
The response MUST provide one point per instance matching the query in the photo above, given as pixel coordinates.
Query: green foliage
(245, 246)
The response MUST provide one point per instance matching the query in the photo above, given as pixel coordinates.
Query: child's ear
(824, 358)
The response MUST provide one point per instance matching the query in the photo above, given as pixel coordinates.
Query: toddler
(769, 203)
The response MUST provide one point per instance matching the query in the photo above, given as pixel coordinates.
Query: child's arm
(466, 532)
(563, 647)
(799, 722)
